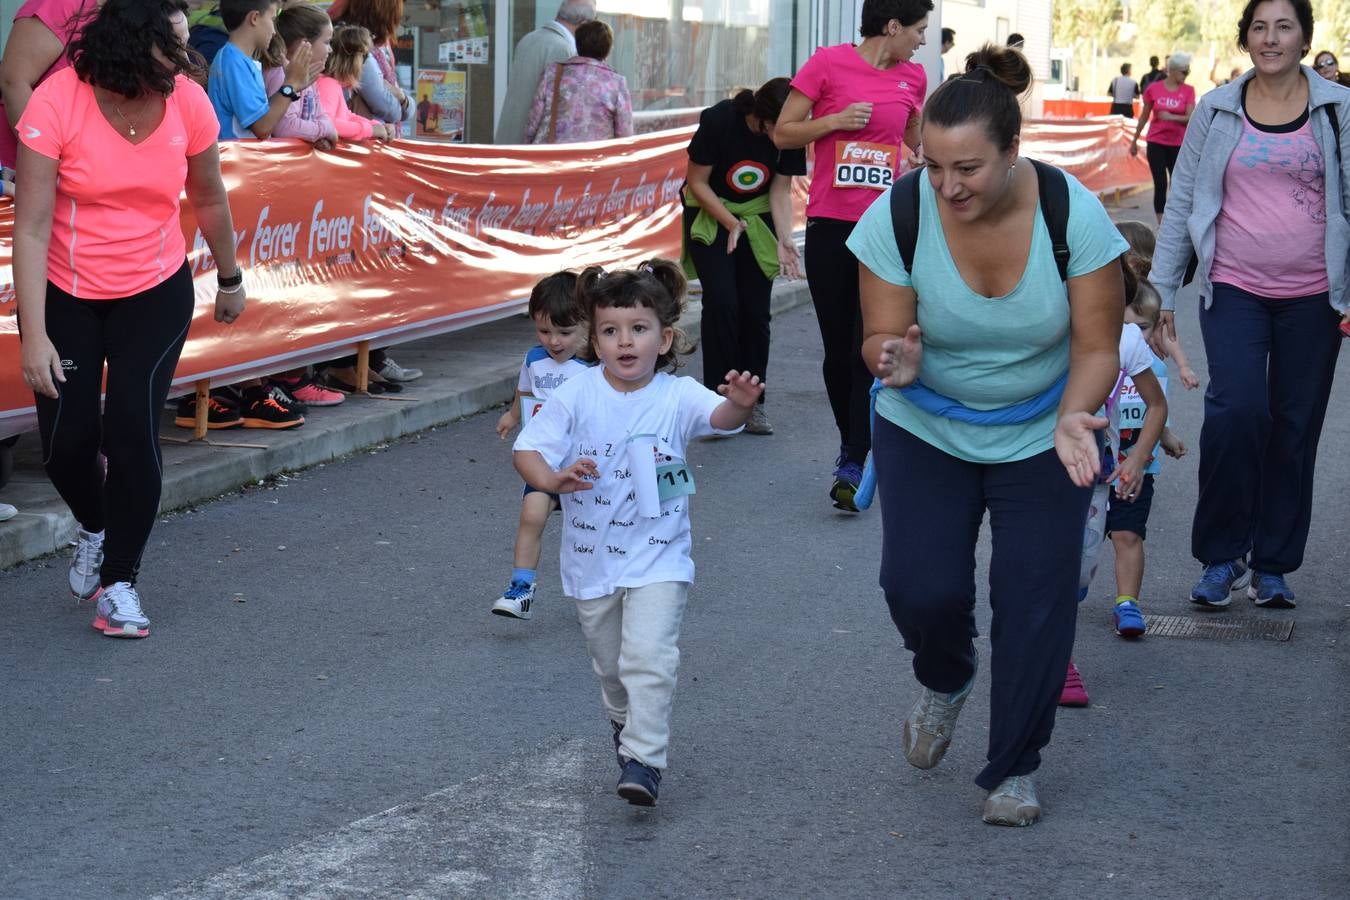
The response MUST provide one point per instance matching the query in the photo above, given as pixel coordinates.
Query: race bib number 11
(858, 164)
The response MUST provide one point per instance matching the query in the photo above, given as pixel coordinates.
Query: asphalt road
(326, 708)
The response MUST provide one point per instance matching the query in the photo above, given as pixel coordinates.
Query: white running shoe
(515, 602)
(119, 612)
(84, 566)
(392, 371)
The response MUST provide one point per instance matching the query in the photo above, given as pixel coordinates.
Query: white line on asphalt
(515, 833)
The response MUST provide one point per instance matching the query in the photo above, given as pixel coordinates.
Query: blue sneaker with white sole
(1213, 589)
(1270, 591)
(1129, 619)
(639, 784)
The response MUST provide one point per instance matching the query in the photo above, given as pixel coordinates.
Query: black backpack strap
(1054, 190)
(905, 216)
(1335, 133)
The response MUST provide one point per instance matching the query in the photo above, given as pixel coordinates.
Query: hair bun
(1005, 65)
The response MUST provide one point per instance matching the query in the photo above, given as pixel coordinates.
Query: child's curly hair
(657, 284)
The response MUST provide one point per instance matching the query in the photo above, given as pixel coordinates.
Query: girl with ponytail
(983, 317)
(613, 439)
(738, 229)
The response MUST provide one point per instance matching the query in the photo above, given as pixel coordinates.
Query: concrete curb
(485, 360)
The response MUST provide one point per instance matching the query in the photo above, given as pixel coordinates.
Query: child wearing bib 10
(613, 439)
(560, 325)
(1114, 498)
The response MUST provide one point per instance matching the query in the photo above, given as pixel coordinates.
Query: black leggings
(1162, 159)
(140, 338)
(735, 332)
(832, 275)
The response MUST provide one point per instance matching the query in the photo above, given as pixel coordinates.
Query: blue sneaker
(639, 784)
(1270, 592)
(1213, 588)
(1129, 620)
(847, 476)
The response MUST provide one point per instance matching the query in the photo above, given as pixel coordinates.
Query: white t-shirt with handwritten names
(606, 543)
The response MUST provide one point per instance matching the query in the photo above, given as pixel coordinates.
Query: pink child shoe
(308, 392)
(1073, 693)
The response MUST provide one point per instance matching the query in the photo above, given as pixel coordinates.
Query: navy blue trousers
(1271, 363)
(932, 506)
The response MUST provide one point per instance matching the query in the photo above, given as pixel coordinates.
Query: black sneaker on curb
(282, 392)
(639, 784)
(221, 412)
(264, 408)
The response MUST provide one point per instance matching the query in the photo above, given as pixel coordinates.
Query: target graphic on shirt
(747, 176)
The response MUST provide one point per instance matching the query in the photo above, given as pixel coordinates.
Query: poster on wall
(464, 33)
(440, 105)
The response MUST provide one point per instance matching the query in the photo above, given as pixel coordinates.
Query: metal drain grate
(1227, 628)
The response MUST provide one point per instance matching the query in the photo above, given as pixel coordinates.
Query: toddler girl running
(560, 324)
(1127, 482)
(613, 440)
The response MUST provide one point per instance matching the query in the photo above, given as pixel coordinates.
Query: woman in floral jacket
(582, 98)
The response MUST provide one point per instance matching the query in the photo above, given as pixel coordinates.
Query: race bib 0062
(858, 164)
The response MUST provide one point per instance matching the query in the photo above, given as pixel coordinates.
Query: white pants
(633, 638)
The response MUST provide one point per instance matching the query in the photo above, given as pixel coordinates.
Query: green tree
(1165, 25)
(1331, 27)
(1077, 22)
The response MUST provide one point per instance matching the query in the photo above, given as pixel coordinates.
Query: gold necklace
(131, 127)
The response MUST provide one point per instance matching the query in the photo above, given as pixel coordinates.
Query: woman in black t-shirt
(738, 230)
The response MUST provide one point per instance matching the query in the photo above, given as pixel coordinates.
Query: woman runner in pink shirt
(101, 273)
(858, 104)
(1169, 104)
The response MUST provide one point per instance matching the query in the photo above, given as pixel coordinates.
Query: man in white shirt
(551, 42)
(1123, 91)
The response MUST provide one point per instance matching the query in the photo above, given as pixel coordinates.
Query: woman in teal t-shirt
(986, 321)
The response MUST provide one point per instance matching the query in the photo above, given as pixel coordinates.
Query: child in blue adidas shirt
(560, 324)
(235, 84)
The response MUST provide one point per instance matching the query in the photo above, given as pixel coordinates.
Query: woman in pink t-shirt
(858, 106)
(101, 273)
(1169, 104)
(35, 50)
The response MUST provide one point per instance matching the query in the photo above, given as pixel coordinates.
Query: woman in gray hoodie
(1259, 198)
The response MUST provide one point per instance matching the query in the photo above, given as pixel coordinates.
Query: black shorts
(1123, 109)
(557, 501)
(1122, 516)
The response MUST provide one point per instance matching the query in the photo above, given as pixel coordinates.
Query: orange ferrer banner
(1095, 151)
(390, 243)
(1079, 109)
(396, 242)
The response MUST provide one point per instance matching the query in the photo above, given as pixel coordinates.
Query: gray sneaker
(119, 612)
(84, 583)
(928, 731)
(758, 422)
(1013, 803)
(392, 371)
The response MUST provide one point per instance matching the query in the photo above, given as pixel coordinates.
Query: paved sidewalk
(466, 372)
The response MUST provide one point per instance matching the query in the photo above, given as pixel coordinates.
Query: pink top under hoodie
(350, 126)
(305, 119)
